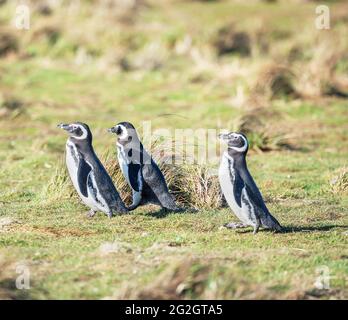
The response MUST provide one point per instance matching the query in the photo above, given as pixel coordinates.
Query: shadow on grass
(311, 228)
(162, 213)
(8, 291)
(296, 229)
(291, 147)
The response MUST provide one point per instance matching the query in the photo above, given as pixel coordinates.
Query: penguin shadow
(162, 213)
(9, 291)
(292, 147)
(293, 229)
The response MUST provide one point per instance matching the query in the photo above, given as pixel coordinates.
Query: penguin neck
(83, 146)
(238, 158)
(134, 152)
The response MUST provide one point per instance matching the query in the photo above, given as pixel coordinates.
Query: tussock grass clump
(5, 292)
(183, 279)
(10, 107)
(262, 135)
(48, 31)
(123, 11)
(190, 278)
(60, 185)
(8, 43)
(339, 182)
(318, 76)
(274, 81)
(194, 185)
(8, 289)
(152, 57)
(230, 41)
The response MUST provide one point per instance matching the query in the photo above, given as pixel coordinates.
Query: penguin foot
(90, 214)
(235, 225)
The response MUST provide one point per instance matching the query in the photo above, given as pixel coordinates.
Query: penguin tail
(167, 201)
(120, 209)
(272, 223)
(172, 207)
(276, 225)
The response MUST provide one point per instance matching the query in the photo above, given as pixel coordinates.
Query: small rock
(6, 221)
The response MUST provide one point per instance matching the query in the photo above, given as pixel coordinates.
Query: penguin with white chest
(239, 188)
(140, 170)
(88, 175)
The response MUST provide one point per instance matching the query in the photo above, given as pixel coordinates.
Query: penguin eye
(119, 130)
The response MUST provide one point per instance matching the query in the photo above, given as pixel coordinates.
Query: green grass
(153, 252)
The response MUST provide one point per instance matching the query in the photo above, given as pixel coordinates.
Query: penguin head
(237, 142)
(125, 132)
(78, 131)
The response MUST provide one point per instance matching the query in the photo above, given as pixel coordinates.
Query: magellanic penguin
(140, 170)
(239, 188)
(88, 175)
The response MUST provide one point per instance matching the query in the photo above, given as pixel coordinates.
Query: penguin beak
(64, 126)
(112, 130)
(115, 129)
(223, 136)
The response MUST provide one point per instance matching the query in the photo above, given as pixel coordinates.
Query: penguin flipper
(134, 169)
(136, 182)
(82, 175)
(137, 193)
(238, 186)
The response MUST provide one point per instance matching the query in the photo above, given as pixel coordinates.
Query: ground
(149, 253)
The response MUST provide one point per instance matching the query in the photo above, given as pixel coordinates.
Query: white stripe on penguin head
(124, 134)
(84, 132)
(245, 146)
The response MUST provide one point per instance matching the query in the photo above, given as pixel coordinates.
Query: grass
(298, 158)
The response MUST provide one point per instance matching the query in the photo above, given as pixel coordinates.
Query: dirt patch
(52, 231)
(64, 232)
